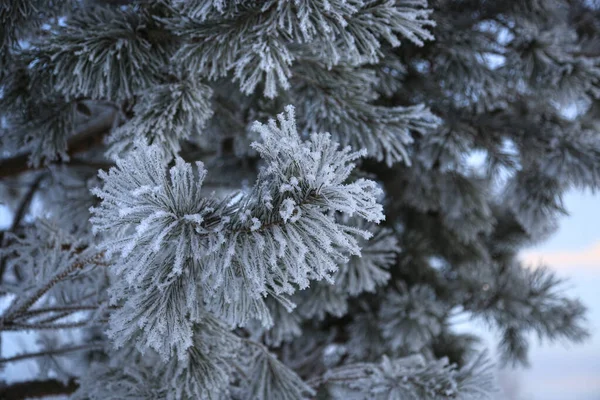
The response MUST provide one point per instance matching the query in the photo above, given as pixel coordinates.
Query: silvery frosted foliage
(175, 247)
(389, 20)
(70, 185)
(119, 384)
(340, 99)
(572, 159)
(272, 379)
(427, 144)
(285, 233)
(362, 273)
(259, 36)
(533, 208)
(20, 18)
(99, 54)
(159, 238)
(47, 136)
(286, 324)
(322, 300)
(513, 292)
(410, 378)
(11, 16)
(366, 272)
(470, 74)
(205, 373)
(548, 57)
(460, 195)
(411, 318)
(36, 120)
(170, 112)
(366, 342)
(207, 369)
(45, 252)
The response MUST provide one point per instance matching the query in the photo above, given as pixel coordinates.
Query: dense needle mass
(277, 199)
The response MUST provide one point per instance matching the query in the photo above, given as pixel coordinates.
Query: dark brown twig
(71, 309)
(17, 326)
(52, 352)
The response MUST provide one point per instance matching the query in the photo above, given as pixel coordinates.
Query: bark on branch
(37, 389)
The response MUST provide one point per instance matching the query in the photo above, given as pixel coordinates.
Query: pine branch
(15, 326)
(54, 317)
(62, 312)
(96, 259)
(68, 309)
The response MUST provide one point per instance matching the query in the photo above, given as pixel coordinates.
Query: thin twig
(57, 278)
(52, 352)
(26, 201)
(257, 344)
(54, 318)
(16, 326)
(69, 309)
(318, 381)
(63, 312)
(67, 313)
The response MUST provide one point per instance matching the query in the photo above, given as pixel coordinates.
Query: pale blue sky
(560, 372)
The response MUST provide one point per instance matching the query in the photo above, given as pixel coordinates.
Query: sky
(557, 371)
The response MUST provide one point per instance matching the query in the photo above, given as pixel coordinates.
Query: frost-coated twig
(319, 381)
(96, 259)
(66, 309)
(15, 326)
(61, 312)
(52, 352)
(54, 317)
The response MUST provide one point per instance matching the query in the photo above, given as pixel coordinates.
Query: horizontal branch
(88, 136)
(54, 317)
(52, 352)
(37, 311)
(96, 259)
(37, 389)
(17, 326)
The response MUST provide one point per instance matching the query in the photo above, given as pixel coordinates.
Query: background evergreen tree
(326, 253)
